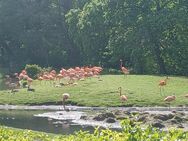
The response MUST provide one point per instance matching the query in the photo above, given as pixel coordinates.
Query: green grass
(141, 90)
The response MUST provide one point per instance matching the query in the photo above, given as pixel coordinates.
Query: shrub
(33, 70)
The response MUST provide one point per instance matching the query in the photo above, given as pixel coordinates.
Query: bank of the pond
(83, 117)
(81, 108)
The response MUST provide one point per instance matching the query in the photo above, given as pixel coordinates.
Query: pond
(25, 119)
(52, 119)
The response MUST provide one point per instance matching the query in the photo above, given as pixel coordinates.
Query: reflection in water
(25, 120)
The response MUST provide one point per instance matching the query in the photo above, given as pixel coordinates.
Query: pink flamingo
(169, 99)
(123, 98)
(124, 69)
(65, 97)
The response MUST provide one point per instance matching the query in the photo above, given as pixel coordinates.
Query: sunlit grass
(141, 90)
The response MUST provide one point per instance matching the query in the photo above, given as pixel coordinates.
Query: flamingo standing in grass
(40, 78)
(186, 95)
(29, 81)
(169, 99)
(123, 98)
(162, 83)
(65, 97)
(124, 69)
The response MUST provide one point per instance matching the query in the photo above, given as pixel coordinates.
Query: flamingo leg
(163, 91)
(63, 102)
(160, 91)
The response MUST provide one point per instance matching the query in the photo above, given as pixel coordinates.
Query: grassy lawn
(141, 90)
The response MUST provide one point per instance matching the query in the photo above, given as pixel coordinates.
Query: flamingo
(169, 99)
(162, 83)
(123, 98)
(29, 80)
(65, 97)
(40, 78)
(124, 69)
(186, 95)
(58, 77)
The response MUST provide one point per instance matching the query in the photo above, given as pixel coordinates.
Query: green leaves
(131, 131)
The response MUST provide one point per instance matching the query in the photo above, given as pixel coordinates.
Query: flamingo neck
(120, 91)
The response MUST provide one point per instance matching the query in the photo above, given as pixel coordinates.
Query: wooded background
(150, 36)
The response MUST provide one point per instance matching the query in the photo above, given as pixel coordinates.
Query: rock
(164, 117)
(117, 112)
(179, 119)
(144, 113)
(102, 116)
(126, 112)
(142, 118)
(173, 121)
(121, 117)
(186, 118)
(158, 125)
(99, 117)
(181, 114)
(110, 120)
(180, 126)
(135, 113)
(109, 115)
(174, 112)
(84, 117)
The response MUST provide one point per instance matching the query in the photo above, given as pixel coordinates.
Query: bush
(33, 70)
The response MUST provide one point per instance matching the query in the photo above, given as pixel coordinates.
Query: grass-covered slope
(141, 90)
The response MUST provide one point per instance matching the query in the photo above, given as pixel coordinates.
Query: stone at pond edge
(158, 125)
(164, 117)
(180, 126)
(120, 117)
(173, 121)
(109, 115)
(101, 117)
(142, 118)
(84, 117)
(118, 112)
(110, 120)
(179, 119)
(144, 113)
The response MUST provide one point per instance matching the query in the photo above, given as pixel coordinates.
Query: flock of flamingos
(81, 73)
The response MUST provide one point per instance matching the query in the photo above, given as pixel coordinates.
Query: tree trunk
(73, 51)
(160, 60)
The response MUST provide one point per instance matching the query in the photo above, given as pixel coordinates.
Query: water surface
(25, 119)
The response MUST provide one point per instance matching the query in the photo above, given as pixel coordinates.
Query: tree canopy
(150, 36)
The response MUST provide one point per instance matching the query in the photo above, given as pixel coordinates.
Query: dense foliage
(151, 36)
(33, 70)
(130, 132)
